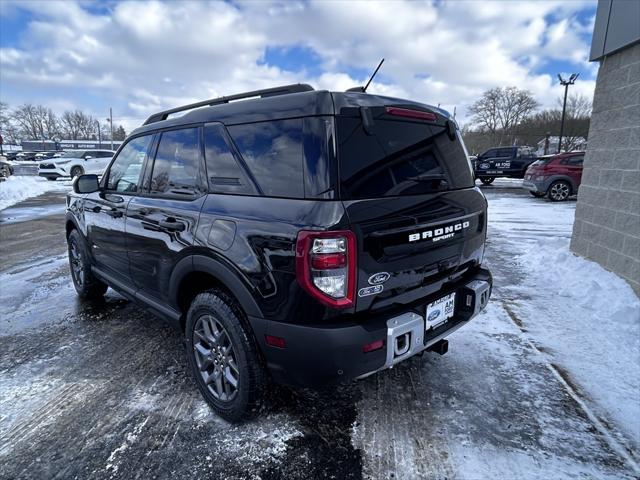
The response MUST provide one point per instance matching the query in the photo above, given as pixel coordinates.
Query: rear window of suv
(398, 158)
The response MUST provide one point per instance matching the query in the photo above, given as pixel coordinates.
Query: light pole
(565, 83)
(99, 134)
(110, 120)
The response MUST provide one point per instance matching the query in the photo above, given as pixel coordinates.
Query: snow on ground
(17, 188)
(583, 317)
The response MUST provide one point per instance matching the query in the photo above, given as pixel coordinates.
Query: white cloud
(143, 56)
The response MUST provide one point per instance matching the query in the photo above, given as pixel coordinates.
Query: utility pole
(565, 83)
(99, 134)
(110, 120)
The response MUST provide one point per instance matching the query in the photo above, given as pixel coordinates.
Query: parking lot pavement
(102, 391)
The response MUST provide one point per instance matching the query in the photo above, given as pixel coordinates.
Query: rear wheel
(537, 194)
(559, 191)
(85, 283)
(76, 171)
(487, 180)
(224, 357)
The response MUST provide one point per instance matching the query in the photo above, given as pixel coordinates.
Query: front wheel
(487, 180)
(76, 172)
(223, 356)
(85, 283)
(559, 191)
(537, 194)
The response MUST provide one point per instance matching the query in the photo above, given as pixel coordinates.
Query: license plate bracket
(439, 311)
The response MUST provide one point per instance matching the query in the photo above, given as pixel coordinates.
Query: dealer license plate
(494, 171)
(440, 311)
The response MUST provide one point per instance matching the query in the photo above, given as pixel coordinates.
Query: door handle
(114, 213)
(96, 209)
(144, 211)
(172, 225)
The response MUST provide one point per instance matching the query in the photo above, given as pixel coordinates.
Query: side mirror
(88, 157)
(86, 183)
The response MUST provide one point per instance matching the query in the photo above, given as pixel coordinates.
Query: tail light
(326, 266)
(410, 113)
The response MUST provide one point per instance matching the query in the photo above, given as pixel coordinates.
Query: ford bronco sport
(304, 236)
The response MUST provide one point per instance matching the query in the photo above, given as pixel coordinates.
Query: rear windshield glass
(398, 158)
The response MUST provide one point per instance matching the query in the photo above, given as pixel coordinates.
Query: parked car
(556, 176)
(310, 236)
(75, 162)
(6, 169)
(11, 156)
(44, 155)
(26, 156)
(509, 162)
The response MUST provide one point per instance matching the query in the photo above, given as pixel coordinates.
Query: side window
(489, 153)
(576, 161)
(504, 152)
(273, 153)
(125, 169)
(223, 171)
(177, 169)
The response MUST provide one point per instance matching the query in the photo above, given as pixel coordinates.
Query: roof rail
(267, 92)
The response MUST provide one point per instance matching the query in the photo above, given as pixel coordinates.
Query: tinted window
(223, 171)
(575, 161)
(177, 168)
(504, 152)
(125, 169)
(398, 158)
(489, 153)
(273, 154)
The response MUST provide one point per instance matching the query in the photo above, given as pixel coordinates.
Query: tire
(487, 180)
(537, 194)
(221, 350)
(86, 284)
(559, 191)
(76, 171)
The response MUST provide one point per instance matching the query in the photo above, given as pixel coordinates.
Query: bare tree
(36, 121)
(7, 125)
(119, 133)
(77, 125)
(501, 109)
(578, 106)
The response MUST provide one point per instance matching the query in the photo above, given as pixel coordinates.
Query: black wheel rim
(216, 358)
(75, 259)
(559, 191)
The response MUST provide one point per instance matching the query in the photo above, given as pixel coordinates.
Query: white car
(75, 162)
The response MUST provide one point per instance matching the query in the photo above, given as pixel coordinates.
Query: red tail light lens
(326, 266)
(406, 112)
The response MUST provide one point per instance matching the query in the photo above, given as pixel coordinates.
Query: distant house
(579, 143)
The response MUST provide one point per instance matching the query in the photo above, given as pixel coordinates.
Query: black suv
(304, 236)
(510, 162)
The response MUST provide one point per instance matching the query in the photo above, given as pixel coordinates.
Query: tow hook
(440, 347)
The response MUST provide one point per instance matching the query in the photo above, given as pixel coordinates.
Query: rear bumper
(49, 174)
(320, 355)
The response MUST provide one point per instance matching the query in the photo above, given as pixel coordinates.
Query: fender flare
(565, 178)
(218, 270)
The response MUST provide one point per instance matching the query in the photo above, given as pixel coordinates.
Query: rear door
(408, 190)
(161, 222)
(573, 167)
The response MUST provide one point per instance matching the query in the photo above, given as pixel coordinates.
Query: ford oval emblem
(378, 278)
(433, 315)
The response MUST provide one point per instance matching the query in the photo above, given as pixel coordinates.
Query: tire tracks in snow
(614, 439)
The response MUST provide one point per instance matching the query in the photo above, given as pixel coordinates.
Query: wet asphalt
(101, 390)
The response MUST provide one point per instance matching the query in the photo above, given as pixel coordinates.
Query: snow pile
(588, 320)
(18, 188)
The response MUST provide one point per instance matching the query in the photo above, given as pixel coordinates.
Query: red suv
(556, 176)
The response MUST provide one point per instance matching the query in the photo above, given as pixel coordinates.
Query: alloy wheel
(77, 270)
(216, 358)
(560, 191)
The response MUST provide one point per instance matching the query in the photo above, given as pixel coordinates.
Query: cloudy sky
(139, 57)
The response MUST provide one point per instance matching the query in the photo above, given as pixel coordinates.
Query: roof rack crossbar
(267, 92)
